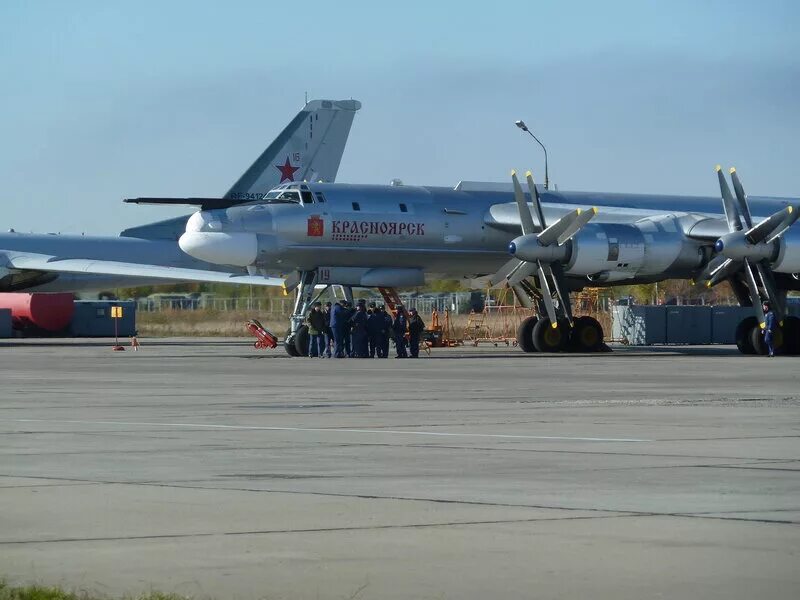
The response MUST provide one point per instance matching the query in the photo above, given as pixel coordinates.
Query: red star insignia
(287, 171)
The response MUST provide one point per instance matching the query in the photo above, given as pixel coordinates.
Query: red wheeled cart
(265, 338)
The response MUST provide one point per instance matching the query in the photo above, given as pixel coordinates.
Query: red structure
(48, 312)
(264, 337)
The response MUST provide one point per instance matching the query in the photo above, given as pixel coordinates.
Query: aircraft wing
(43, 262)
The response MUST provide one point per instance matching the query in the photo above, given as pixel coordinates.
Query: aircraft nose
(234, 248)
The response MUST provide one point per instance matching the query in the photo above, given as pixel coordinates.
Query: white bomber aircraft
(309, 147)
(543, 243)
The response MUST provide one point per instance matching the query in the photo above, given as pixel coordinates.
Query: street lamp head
(521, 125)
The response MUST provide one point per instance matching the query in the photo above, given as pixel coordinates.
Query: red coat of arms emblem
(316, 226)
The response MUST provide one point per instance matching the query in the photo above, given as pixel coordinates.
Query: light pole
(521, 125)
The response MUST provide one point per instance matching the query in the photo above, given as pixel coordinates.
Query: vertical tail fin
(310, 148)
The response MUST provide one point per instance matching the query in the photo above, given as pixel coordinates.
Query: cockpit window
(289, 193)
(282, 197)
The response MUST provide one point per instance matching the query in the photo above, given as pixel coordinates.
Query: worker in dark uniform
(399, 328)
(386, 332)
(770, 327)
(415, 328)
(360, 335)
(374, 329)
(328, 331)
(349, 311)
(339, 325)
(316, 331)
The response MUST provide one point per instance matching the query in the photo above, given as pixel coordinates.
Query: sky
(103, 100)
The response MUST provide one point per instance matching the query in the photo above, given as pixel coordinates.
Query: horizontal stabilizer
(203, 203)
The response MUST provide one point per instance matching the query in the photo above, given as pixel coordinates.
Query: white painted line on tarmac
(505, 436)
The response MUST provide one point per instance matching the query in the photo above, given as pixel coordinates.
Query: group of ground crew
(340, 330)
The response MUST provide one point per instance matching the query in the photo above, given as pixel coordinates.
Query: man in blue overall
(770, 327)
(340, 325)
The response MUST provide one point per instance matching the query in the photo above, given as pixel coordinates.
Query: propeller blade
(768, 280)
(788, 222)
(504, 272)
(537, 202)
(755, 297)
(704, 275)
(770, 225)
(525, 270)
(559, 228)
(583, 218)
(560, 283)
(547, 296)
(791, 218)
(525, 218)
(523, 298)
(744, 209)
(725, 270)
(728, 203)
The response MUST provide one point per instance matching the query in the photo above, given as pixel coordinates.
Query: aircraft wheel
(288, 344)
(525, 334)
(760, 346)
(743, 335)
(550, 339)
(791, 335)
(587, 335)
(301, 341)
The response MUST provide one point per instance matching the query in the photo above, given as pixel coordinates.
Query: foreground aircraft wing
(43, 262)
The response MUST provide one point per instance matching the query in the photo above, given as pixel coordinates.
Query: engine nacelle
(235, 248)
(651, 246)
(788, 259)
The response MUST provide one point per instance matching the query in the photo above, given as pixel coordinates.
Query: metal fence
(425, 304)
(259, 305)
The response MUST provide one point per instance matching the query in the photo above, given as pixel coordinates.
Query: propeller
(748, 249)
(542, 249)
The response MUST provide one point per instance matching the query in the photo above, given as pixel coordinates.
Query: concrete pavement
(207, 468)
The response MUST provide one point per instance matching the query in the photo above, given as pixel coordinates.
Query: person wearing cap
(316, 331)
(399, 329)
(328, 331)
(770, 326)
(415, 328)
(374, 329)
(385, 332)
(360, 334)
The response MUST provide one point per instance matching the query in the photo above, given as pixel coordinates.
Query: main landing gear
(786, 340)
(537, 334)
(297, 338)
